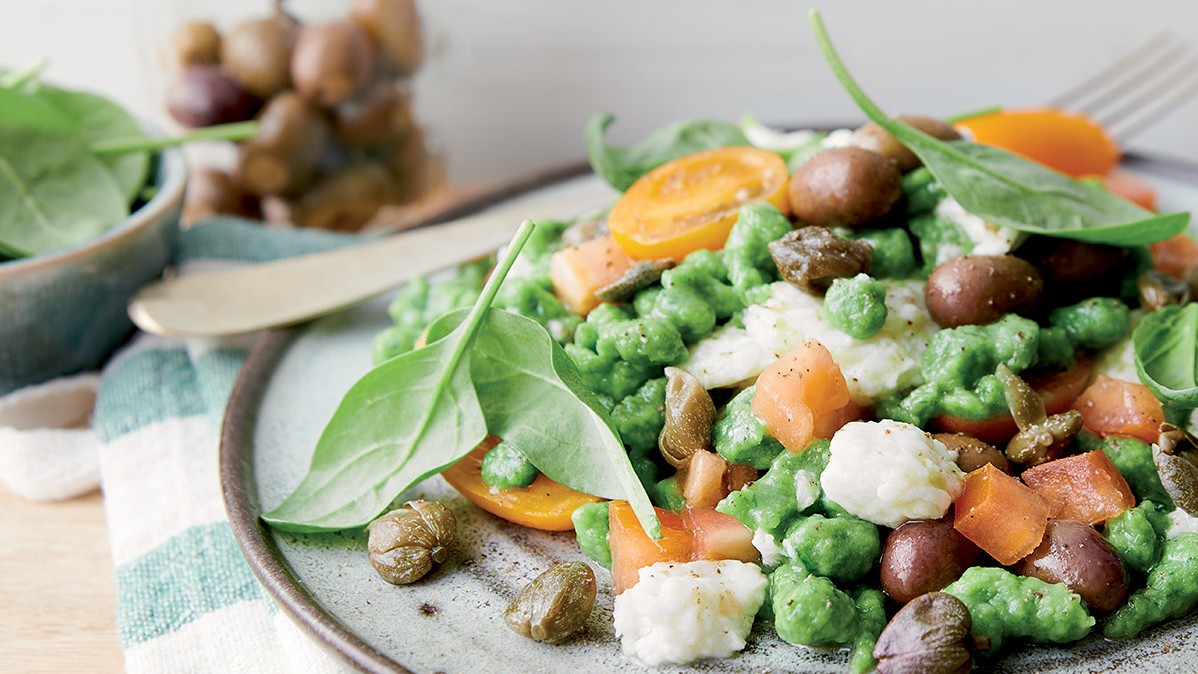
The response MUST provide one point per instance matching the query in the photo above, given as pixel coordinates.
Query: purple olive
(924, 556)
(1078, 556)
(206, 95)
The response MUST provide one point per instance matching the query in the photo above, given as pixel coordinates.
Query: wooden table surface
(57, 587)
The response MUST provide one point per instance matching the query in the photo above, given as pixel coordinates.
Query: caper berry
(812, 257)
(1176, 457)
(407, 543)
(555, 605)
(930, 635)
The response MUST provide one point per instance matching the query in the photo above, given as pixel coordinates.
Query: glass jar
(330, 84)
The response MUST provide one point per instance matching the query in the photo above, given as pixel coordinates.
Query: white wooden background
(510, 83)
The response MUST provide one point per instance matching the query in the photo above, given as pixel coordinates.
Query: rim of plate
(237, 430)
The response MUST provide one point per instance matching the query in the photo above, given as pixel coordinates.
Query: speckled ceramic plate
(451, 621)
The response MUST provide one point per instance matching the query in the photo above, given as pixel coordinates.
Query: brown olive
(973, 453)
(1068, 261)
(207, 95)
(977, 289)
(344, 201)
(332, 62)
(811, 258)
(924, 556)
(214, 192)
(1078, 556)
(283, 156)
(395, 26)
(844, 187)
(258, 54)
(196, 43)
(383, 114)
(874, 138)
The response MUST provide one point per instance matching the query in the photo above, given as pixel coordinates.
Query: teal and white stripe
(186, 599)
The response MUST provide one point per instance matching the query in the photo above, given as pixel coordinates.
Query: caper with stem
(1041, 438)
(689, 415)
(1176, 458)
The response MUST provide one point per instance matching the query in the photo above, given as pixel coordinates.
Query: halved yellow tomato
(544, 504)
(691, 203)
(1069, 142)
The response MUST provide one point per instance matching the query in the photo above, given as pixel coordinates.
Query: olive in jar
(332, 62)
(395, 26)
(206, 95)
(258, 54)
(282, 158)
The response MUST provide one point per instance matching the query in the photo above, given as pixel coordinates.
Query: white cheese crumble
(767, 545)
(886, 362)
(775, 140)
(1181, 522)
(988, 239)
(888, 472)
(1118, 360)
(839, 138)
(806, 489)
(682, 612)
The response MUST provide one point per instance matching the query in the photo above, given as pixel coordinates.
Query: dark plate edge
(237, 431)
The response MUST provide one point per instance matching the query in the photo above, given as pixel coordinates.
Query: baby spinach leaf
(98, 119)
(1006, 189)
(534, 398)
(53, 192)
(1166, 347)
(621, 166)
(411, 417)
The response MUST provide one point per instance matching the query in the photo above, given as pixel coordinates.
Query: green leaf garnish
(523, 377)
(621, 166)
(484, 370)
(1166, 348)
(1007, 190)
(409, 418)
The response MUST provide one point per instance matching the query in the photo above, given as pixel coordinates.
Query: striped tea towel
(186, 599)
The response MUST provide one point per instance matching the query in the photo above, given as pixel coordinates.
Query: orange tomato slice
(1131, 187)
(691, 203)
(1068, 142)
(544, 504)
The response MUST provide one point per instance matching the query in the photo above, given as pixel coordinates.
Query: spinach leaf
(98, 119)
(1166, 347)
(534, 398)
(1006, 189)
(53, 192)
(621, 166)
(409, 418)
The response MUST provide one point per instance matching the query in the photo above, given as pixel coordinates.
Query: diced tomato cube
(719, 536)
(1116, 407)
(1000, 514)
(632, 549)
(703, 479)
(1084, 487)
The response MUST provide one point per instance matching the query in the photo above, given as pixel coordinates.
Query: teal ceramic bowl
(64, 312)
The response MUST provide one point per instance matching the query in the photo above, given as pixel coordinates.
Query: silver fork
(1139, 88)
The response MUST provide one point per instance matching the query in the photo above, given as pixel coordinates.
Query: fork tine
(1138, 88)
(1106, 78)
(1137, 115)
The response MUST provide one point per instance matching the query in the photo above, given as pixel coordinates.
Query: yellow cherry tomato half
(544, 504)
(1069, 142)
(691, 203)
